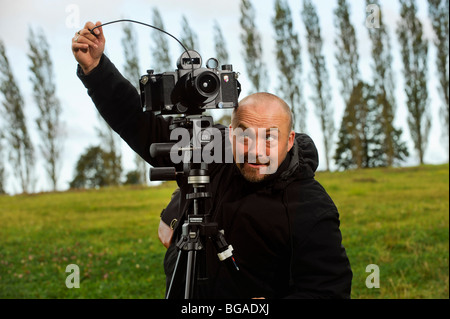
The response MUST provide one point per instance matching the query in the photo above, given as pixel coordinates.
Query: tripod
(197, 229)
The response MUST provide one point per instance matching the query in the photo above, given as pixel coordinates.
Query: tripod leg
(190, 274)
(174, 275)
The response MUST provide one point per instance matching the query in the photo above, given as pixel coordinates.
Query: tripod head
(191, 129)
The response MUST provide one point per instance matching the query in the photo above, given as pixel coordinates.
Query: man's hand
(165, 234)
(88, 48)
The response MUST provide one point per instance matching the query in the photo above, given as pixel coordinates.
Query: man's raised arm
(115, 97)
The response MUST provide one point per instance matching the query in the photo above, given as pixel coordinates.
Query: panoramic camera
(190, 89)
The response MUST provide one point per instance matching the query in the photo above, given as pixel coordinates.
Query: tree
(160, 48)
(347, 56)
(391, 147)
(94, 169)
(222, 56)
(319, 77)
(188, 37)
(44, 92)
(130, 51)
(220, 44)
(2, 168)
(133, 178)
(414, 52)
(289, 63)
(359, 129)
(112, 146)
(253, 54)
(21, 151)
(132, 73)
(438, 12)
(361, 135)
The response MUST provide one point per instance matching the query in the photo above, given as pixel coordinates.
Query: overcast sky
(59, 20)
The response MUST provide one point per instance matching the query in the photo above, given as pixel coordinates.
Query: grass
(395, 218)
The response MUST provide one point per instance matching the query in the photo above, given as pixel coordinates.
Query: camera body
(190, 89)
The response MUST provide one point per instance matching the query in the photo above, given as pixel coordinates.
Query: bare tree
(160, 47)
(220, 44)
(319, 77)
(2, 167)
(132, 73)
(252, 43)
(289, 63)
(21, 151)
(438, 11)
(188, 36)
(391, 147)
(347, 56)
(44, 92)
(414, 52)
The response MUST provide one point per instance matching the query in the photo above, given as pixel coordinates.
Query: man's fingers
(87, 47)
(96, 36)
(98, 31)
(86, 38)
(89, 25)
(79, 46)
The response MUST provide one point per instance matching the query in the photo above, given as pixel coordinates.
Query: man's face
(261, 137)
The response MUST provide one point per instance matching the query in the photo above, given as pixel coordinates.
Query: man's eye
(270, 138)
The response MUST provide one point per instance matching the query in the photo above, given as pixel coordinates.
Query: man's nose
(257, 150)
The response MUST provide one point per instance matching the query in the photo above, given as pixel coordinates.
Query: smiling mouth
(255, 165)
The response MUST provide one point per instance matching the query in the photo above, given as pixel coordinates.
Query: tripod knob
(160, 149)
(163, 174)
(198, 195)
(198, 176)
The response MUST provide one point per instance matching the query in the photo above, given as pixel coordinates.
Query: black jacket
(284, 231)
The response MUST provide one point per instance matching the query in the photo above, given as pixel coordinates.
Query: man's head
(261, 134)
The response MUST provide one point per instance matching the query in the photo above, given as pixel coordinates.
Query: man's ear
(291, 140)
(230, 135)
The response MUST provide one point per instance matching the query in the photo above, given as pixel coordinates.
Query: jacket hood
(304, 159)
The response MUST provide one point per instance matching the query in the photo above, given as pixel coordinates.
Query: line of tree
(438, 11)
(367, 136)
(319, 78)
(20, 149)
(289, 63)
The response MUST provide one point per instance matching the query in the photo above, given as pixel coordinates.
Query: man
(282, 224)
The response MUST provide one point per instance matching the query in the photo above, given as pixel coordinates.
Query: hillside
(395, 218)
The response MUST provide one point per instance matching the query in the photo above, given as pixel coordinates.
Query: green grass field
(395, 218)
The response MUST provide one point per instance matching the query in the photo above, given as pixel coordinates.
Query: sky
(59, 20)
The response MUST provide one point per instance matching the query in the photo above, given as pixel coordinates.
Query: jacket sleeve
(118, 102)
(320, 267)
(172, 214)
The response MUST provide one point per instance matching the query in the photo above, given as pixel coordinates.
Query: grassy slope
(399, 220)
(395, 218)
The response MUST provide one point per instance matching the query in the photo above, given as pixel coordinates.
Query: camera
(191, 89)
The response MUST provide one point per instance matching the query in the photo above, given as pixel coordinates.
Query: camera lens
(207, 84)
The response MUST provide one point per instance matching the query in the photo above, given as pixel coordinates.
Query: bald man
(272, 117)
(281, 223)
